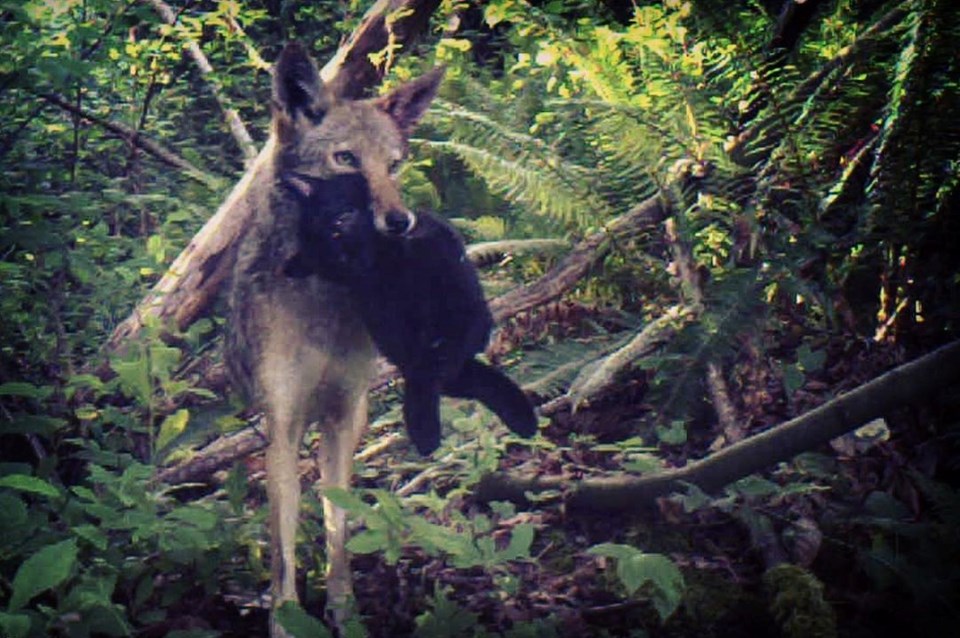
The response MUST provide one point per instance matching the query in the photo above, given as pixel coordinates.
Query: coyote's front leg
(335, 458)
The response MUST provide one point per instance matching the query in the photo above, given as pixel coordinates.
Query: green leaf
(667, 581)
(642, 463)
(347, 500)
(27, 390)
(389, 507)
(675, 434)
(436, 537)
(32, 424)
(298, 623)
(636, 568)
(172, 427)
(14, 625)
(14, 515)
(503, 509)
(792, 379)
(810, 360)
(520, 541)
(93, 535)
(31, 484)
(85, 493)
(368, 542)
(42, 571)
(91, 381)
(754, 486)
(134, 378)
(694, 498)
(446, 618)
(237, 486)
(163, 360)
(200, 518)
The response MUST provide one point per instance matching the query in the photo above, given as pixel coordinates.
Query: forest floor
(861, 515)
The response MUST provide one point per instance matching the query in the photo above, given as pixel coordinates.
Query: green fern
(530, 183)
(919, 143)
(548, 371)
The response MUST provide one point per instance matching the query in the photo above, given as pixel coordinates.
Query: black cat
(419, 297)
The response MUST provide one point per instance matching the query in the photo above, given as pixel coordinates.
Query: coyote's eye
(395, 166)
(347, 159)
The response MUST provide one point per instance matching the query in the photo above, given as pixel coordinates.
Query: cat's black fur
(420, 299)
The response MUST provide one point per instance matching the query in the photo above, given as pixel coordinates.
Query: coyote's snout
(297, 348)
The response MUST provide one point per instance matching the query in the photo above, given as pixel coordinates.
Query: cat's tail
(495, 390)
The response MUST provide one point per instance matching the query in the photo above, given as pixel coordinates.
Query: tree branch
(133, 137)
(901, 386)
(234, 123)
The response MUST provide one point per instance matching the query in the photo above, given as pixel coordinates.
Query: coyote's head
(322, 137)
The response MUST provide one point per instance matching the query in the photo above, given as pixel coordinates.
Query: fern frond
(548, 371)
(541, 189)
(916, 158)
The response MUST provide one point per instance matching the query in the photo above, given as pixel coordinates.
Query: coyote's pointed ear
(298, 90)
(407, 103)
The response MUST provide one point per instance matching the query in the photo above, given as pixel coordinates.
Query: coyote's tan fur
(297, 348)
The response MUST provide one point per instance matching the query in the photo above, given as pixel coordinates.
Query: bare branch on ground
(904, 385)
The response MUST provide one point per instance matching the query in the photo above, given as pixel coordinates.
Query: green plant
(652, 576)
(467, 542)
(87, 559)
(299, 623)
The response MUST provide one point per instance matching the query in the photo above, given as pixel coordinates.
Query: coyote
(420, 298)
(297, 348)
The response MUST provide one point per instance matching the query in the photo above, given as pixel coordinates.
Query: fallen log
(904, 385)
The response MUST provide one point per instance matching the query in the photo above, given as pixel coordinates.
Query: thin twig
(133, 137)
(234, 123)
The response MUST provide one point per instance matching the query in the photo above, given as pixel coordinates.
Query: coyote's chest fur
(312, 322)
